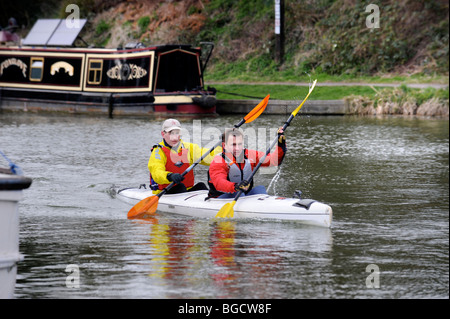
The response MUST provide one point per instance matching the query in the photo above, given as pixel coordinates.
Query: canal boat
(47, 73)
(11, 187)
(263, 207)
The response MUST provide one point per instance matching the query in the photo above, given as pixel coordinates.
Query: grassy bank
(293, 92)
(288, 92)
(402, 101)
(214, 75)
(363, 100)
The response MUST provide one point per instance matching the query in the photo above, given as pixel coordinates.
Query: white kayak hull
(305, 211)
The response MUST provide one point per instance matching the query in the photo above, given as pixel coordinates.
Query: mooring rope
(15, 169)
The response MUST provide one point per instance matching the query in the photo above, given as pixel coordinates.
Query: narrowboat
(47, 73)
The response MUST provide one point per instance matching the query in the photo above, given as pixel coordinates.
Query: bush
(102, 27)
(143, 23)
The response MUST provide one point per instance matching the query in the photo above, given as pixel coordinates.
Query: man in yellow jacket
(172, 156)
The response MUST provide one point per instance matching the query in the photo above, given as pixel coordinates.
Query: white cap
(171, 124)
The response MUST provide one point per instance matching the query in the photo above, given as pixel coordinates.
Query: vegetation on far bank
(362, 100)
(402, 101)
(326, 40)
(327, 37)
(288, 92)
(293, 92)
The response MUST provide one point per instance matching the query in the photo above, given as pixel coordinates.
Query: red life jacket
(235, 173)
(178, 163)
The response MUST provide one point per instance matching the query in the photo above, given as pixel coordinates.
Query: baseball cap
(171, 124)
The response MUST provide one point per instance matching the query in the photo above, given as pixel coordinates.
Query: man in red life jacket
(171, 157)
(229, 171)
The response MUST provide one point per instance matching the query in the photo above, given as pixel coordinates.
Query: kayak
(195, 204)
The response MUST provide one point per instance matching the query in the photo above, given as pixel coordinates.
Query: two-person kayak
(196, 204)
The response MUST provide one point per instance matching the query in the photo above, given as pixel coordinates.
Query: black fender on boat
(14, 182)
(206, 101)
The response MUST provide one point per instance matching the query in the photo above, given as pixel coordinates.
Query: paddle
(149, 204)
(227, 209)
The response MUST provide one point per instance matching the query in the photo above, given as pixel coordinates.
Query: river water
(386, 179)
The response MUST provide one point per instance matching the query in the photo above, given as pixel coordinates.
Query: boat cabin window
(36, 69)
(178, 70)
(95, 71)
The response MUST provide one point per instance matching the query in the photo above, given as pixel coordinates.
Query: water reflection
(223, 252)
(223, 259)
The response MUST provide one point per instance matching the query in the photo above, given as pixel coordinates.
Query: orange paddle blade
(146, 206)
(257, 110)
